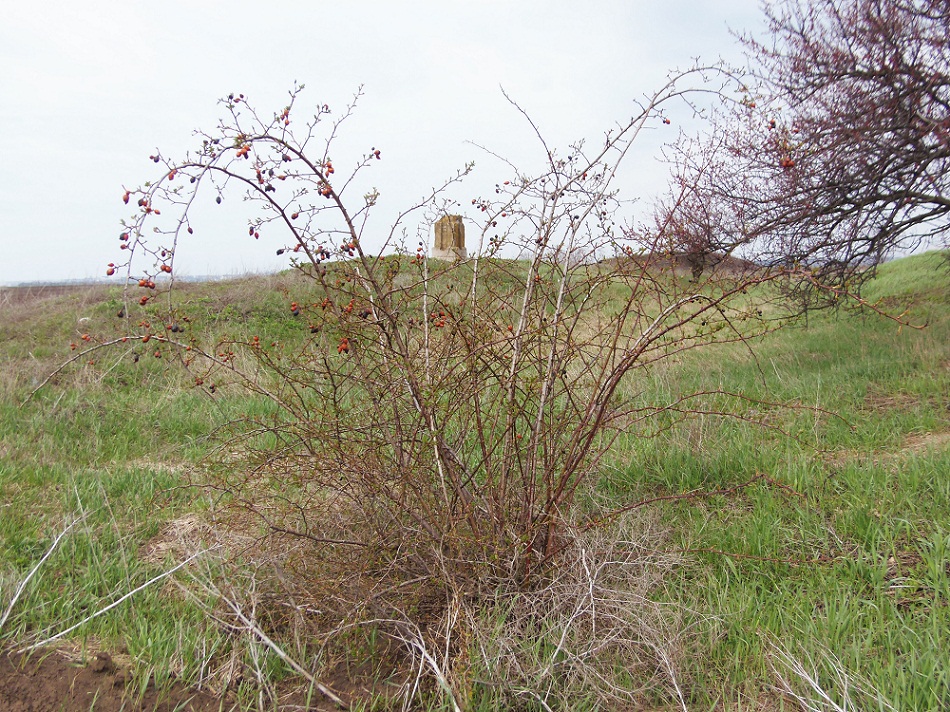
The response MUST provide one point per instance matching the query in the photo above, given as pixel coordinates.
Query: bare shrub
(588, 635)
(421, 463)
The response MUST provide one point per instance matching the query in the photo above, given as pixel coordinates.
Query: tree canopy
(839, 153)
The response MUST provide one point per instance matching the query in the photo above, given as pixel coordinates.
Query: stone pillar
(449, 239)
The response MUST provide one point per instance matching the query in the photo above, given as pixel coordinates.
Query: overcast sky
(88, 90)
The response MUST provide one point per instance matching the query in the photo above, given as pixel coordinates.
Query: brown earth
(62, 680)
(918, 444)
(52, 682)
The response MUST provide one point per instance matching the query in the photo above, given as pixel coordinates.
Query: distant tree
(840, 153)
(692, 229)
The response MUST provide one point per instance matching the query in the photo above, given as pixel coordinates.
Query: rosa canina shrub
(430, 442)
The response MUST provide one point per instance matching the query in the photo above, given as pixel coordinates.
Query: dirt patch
(927, 441)
(170, 467)
(53, 681)
(912, 445)
(66, 679)
(886, 402)
(179, 539)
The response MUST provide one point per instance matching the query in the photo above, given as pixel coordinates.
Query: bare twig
(264, 638)
(806, 689)
(36, 568)
(112, 605)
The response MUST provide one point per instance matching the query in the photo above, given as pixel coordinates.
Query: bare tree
(838, 155)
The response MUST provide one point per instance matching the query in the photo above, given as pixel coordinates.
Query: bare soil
(57, 680)
(912, 445)
(51, 682)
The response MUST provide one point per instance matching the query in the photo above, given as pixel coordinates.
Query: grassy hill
(804, 527)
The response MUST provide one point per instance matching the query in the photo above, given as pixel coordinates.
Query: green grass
(850, 558)
(872, 508)
(109, 444)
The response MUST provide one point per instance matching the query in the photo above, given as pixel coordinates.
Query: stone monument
(449, 239)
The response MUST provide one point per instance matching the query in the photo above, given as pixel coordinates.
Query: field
(802, 548)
